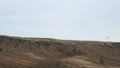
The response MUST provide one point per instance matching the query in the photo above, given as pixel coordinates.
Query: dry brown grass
(16, 52)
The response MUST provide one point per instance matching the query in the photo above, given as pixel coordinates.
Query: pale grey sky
(61, 19)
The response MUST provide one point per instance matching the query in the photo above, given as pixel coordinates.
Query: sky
(61, 19)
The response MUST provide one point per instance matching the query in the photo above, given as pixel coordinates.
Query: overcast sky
(61, 19)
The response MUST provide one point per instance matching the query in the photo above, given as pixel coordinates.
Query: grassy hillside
(19, 52)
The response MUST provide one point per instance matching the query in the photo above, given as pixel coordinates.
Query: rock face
(17, 52)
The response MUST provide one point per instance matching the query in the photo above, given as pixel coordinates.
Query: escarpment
(23, 52)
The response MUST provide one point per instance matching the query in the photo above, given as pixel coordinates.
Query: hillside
(20, 52)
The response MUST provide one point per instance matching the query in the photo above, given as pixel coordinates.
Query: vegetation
(51, 53)
(1, 49)
(102, 61)
(50, 63)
